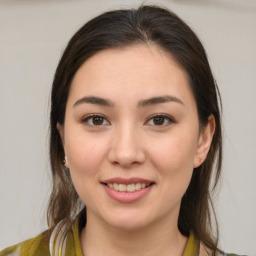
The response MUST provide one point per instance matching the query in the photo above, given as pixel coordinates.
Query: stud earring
(64, 160)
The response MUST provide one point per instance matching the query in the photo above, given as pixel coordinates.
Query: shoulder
(231, 254)
(37, 246)
(206, 252)
(49, 243)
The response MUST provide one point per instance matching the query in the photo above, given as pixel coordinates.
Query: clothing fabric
(59, 245)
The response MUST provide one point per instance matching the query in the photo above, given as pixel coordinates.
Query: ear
(204, 142)
(60, 129)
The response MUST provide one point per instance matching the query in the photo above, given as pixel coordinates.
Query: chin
(128, 225)
(128, 221)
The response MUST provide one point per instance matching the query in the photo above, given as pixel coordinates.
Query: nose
(126, 147)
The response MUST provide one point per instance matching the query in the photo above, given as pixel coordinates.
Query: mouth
(127, 190)
(128, 187)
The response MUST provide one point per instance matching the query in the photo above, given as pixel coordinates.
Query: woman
(135, 133)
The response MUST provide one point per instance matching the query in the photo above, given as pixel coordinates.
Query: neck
(161, 238)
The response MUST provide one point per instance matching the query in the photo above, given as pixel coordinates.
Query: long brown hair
(147, 24)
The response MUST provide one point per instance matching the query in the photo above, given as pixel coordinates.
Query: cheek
(85, 153)
(173, 153)
(173, 160)
(85, 156)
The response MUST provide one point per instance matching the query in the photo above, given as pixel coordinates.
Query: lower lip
(127, 197)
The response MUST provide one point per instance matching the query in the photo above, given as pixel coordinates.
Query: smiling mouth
(128, 187)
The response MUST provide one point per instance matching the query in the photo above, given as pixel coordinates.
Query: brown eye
(95, 120)
(158, 120)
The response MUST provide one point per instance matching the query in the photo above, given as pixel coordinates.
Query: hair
(122, 28)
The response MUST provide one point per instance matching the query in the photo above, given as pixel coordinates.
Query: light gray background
(32, 37)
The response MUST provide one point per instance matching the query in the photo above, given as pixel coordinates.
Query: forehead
(136, 71)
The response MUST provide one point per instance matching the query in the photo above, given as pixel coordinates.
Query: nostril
(126, 151)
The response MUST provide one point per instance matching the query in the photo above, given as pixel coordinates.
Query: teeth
(127, 188)
(116, 187)
(122, 187)
(138, 186)
(131, 187)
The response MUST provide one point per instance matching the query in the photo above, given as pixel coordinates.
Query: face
(131, 136)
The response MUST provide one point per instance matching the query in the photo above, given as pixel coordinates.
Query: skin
(128, 142)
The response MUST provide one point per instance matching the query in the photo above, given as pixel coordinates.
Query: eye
(160, 120)
(95, 120)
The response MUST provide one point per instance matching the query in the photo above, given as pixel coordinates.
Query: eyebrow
(94, 100)
(158, 100)
(143, 103)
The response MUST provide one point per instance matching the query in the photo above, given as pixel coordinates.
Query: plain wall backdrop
(33, 35)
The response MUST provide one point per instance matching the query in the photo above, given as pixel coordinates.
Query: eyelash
(91, 116)
(167, 118)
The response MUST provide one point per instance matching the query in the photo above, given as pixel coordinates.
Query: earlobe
(204, 142)
(65, 162)
(61, 132)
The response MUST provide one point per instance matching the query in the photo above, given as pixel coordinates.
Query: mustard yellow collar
(192, 247)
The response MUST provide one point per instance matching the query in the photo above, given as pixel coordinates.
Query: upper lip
(119, 180)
